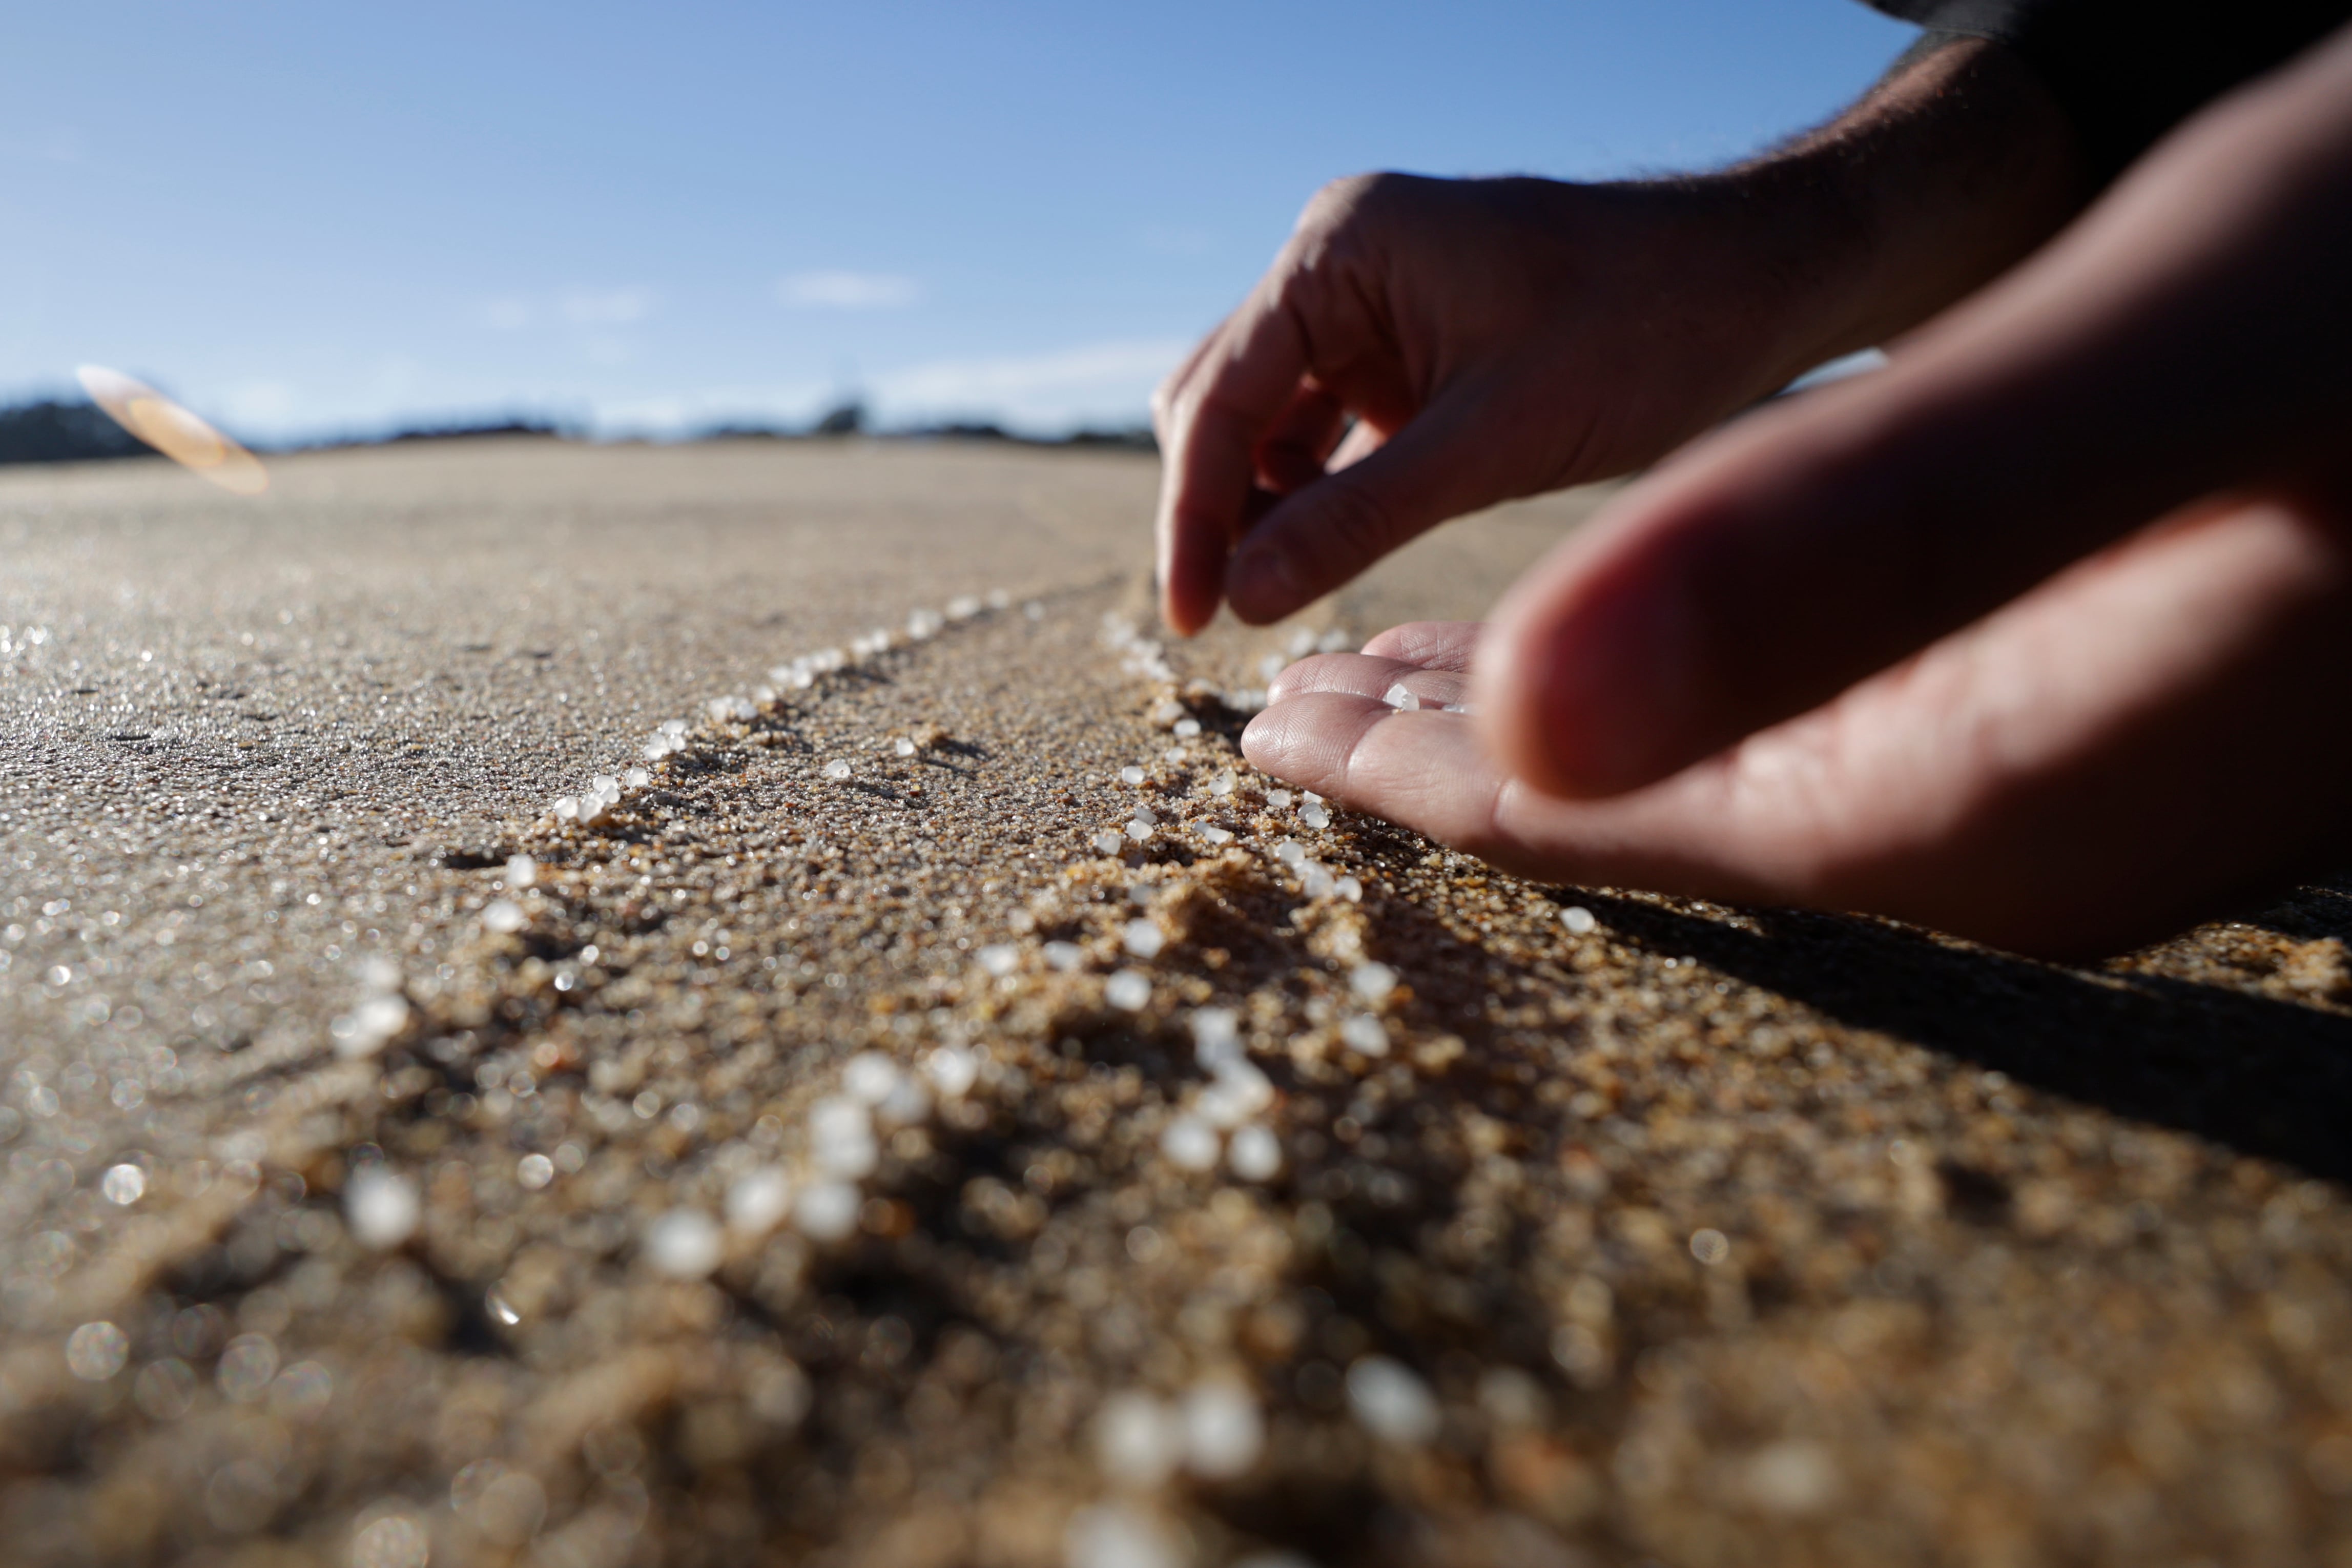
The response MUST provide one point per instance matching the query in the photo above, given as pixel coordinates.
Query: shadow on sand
(2265, 1078)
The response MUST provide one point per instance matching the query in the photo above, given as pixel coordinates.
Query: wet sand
(871, 1140)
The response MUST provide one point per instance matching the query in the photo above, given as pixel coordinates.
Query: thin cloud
(1111, 366)
(508, 315)
(848, 291)
(573, 308)
(606, 307)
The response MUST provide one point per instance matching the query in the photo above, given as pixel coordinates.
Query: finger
(1293, 454)
(1428, 772)
(1389, 681)
(1432, 645)
(1322, 535)
(1400, 650)
(2027, 781)
(1356, 674)
(2190, 333)
(1244, 380)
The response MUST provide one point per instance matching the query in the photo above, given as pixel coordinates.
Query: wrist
(1950, 170)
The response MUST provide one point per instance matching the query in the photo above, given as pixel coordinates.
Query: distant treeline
(57, 430)
(53, 431)
(851, 417)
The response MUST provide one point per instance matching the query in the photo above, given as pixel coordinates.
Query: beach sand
(861, 1145)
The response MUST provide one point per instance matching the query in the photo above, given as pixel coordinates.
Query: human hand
(1491, 338)
(1877, 648)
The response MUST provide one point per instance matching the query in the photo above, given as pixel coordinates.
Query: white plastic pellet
(1392, 1402)
(1141, 938)
(1066, 957)
(1139, 1440)
(826, 1211)
(906, 1104)
(1372, 982)
(521, 871)
(1289, 851)
(1113, 1535)
(1216, 1035)
(1130, 989)
(1255, 1153)
(1214, 835)
(1239, 1092)
(1139, 829)
(903, 746)
(869, 1076)
(1130, 774)
(1107, 842)
(503, 916)
(1186, 729)
(1278, 799)
(1365, 1035)
(952, 1070)
(841, 1138)
(1190, 1144)
(1224, 1431)
(836, 769)
(368, 1027)
(684, 1244)
(999, 958)
(381, 1209)
(1578, 920)
(758, 1200)
(1315, 813)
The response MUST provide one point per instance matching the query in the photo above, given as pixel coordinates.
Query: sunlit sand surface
(590, 1008)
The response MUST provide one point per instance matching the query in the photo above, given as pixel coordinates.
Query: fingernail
(1263, 579)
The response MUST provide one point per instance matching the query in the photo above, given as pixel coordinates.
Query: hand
(1491, 338)
(1878, 648)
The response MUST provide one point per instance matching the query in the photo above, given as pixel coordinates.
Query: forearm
(1950, 170)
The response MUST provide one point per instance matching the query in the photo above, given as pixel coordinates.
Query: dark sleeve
(2125, 73)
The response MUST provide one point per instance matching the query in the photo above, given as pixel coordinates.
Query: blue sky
(307, 219)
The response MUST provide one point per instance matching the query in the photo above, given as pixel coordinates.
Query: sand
(815, 1168)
